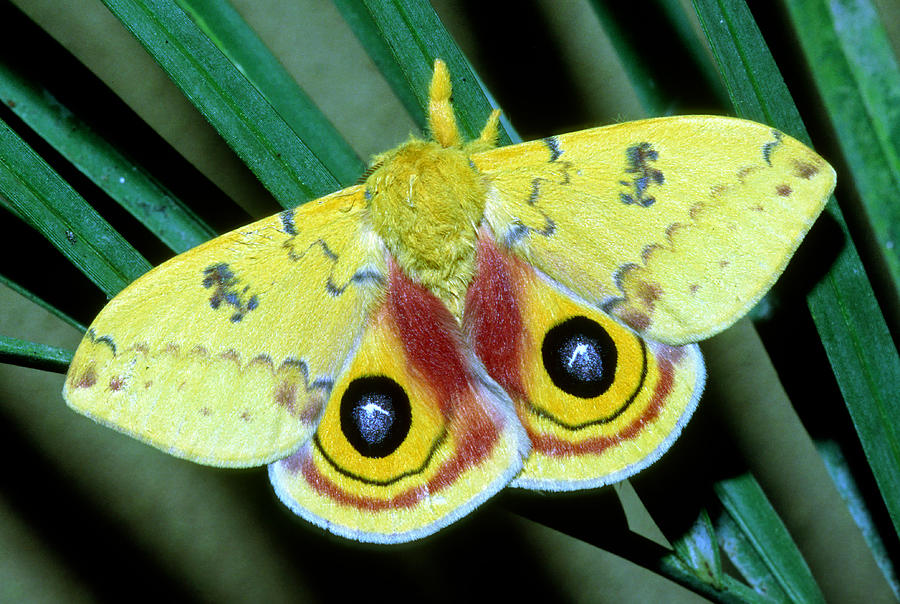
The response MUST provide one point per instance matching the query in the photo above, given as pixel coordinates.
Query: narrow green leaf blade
(32, 354)
(138, 192)
(231, 34)
(746, 503)
(847, 486)
(50, 205)
(731, 591)
(235, 108)
(854, 67)
(404, 37)
(743, 554)
(752, 78)
(365, 27)
(843, 306)
(650, 75)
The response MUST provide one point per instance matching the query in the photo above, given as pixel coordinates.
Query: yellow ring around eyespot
(576, 413)
(377, 355)
(547, 399)
(598, 429)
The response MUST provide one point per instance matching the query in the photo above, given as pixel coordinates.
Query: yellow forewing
(677, 226)
(227, 353)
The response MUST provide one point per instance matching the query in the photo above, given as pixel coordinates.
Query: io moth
(468, 318)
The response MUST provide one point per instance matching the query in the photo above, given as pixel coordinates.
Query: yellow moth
(468, 318)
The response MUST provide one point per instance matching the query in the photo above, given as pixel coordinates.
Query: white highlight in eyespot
(580, 349)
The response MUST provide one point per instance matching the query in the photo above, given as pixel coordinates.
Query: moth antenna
(368, 172)
(489, 132)
(441, 120)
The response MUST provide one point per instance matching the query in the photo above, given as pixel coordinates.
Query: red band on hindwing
(475, 444)
(430, 336)
(493, 319)
(497, 331)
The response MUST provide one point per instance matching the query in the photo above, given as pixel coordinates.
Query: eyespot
(375, 415)
(580, 357)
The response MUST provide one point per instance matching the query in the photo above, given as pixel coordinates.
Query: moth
(468, 318)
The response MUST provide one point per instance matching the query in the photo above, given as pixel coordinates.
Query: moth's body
(426, 204)
(427, 201)
(470, 318)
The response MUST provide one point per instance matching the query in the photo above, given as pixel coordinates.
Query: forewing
(677, 225)
(226, 354)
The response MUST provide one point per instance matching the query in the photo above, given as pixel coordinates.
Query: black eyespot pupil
(375, 415)
(580, 357)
